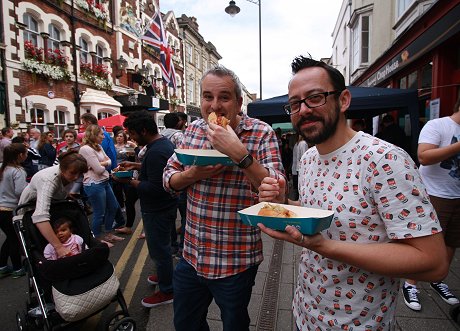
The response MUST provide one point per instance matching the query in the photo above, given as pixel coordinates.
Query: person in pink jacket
(63, 229)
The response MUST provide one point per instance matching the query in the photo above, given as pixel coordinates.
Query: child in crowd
(12, 183)
(63, 229)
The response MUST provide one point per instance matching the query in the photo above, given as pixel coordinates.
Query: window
(84, 54)
(99, 54)
(189, 53)
(102, 115)
(31, 31)
(37, 118)
(54, 37)
(360, 41)
(403, 5)
(190, 90)
(197, 59)
(59, 122)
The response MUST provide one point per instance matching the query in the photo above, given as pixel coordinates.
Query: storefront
(426, 58)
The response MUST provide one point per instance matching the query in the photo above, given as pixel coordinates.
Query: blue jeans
(193, 295)
(157, 228)
(104, 206)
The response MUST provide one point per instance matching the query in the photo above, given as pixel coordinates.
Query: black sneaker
(411, 298)
(443, 291)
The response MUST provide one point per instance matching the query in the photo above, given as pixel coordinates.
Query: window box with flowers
(98, 9)
(96, 74)
(175, 100)
(49, 65)
(158, 92)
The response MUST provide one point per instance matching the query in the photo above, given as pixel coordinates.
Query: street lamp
(232, 9)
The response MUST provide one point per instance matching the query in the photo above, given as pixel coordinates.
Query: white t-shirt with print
(442, 179)
(377, 195)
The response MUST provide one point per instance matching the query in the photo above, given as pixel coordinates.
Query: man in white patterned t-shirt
(383, 228)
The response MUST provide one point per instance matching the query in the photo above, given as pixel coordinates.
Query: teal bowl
(308, 220)
(123, 174)
(202, 157)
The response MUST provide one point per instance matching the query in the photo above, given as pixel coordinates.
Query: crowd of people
(388, 224)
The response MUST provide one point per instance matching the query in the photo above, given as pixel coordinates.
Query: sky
(289, 28)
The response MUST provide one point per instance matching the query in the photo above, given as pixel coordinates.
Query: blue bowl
(308, 220)
(123, 174)
(202, 157)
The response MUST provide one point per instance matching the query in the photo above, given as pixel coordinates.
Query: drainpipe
(76, 89)
(3, 77)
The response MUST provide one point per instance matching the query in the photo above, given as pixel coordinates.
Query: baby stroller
(67, 291)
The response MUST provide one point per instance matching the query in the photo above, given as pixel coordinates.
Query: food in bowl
(275, 211)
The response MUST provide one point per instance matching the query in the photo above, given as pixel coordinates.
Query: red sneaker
(152, 279)
(157, 299)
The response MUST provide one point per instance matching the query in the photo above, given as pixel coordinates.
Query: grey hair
(221, 71)
(34, 130)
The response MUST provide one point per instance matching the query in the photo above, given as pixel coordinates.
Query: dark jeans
(10, 247)
(193, 295)
(295, 186)
(157, 234)
(126, 196)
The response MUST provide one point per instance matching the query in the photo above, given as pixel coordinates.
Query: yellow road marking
(121, 264)
(135, 275)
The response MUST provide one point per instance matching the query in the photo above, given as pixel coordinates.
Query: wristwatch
(246, 161)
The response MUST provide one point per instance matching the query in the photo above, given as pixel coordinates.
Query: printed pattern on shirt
(377, 195)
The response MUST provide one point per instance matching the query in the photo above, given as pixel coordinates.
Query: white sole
(148, 305)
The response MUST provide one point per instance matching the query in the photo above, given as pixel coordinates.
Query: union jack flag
(156, 37)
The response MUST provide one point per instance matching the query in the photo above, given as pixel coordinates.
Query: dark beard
(325, 133)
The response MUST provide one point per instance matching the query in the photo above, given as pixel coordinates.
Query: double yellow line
(138, 266)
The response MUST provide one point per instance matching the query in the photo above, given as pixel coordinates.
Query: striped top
(216, 242)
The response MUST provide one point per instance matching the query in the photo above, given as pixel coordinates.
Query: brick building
(67, 57)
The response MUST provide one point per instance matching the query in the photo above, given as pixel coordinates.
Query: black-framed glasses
(312, 101)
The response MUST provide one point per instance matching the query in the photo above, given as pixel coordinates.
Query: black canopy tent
(365, 102)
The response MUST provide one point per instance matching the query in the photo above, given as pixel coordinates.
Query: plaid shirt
(216, 242)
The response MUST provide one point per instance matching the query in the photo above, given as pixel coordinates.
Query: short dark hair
(170, 120)
(5, 130)
(117, 128)
(61, 221)
(337, 79)
(71, 159)
(88, 117)
(71, 131)
(18, 140)
(140, 120)
(182, 116)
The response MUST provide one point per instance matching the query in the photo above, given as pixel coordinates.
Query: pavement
(270, 306)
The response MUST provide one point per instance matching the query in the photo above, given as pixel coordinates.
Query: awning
(109, 122)
(92, 96)
(136, 102)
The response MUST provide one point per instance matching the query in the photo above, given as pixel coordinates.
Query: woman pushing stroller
(53, 183)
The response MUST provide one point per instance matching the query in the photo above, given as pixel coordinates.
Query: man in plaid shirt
(221, 255)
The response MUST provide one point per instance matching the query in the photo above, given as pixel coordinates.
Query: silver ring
(301, 239)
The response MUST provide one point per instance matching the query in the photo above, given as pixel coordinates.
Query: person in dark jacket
(158, 207)
(46, 149)
(33, 156)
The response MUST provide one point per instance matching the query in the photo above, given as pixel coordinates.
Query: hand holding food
(275, 211)
(218, 120)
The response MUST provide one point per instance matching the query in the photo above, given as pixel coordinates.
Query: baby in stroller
(66, 291)
(63, 230)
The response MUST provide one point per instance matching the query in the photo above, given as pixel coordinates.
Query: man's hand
(294, 236)
(128, 165)
(204, 172)
(226, 141)
(273, 190)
